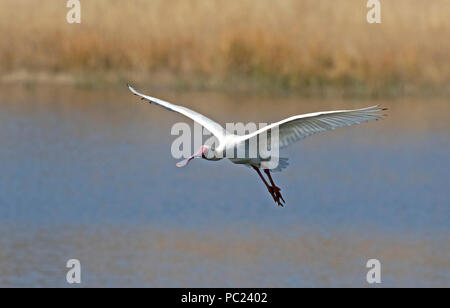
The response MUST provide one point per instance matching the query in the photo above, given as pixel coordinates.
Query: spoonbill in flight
(290, 130)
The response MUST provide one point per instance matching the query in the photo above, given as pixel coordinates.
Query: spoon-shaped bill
(185, 162)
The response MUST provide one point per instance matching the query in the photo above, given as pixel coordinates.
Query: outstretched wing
(298, 127)
(215, 128)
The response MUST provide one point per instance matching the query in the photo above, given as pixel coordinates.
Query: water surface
(89, 175)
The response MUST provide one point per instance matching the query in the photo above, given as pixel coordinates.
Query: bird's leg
(275, 188)
(269, 188)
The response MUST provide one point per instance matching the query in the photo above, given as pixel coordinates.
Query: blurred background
(304, 46)
(86, 170)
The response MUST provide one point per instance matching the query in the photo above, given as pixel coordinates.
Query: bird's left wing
(215, 128)
(295, 128)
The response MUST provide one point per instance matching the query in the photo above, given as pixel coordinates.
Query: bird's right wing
(295, 128)
(215, 128)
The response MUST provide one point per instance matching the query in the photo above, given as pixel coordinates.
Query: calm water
(89, 175)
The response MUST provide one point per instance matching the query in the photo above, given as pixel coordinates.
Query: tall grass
(290, 44)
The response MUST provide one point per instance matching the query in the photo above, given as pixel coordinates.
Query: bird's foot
(276, 195)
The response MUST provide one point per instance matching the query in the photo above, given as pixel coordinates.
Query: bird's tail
(273, 166)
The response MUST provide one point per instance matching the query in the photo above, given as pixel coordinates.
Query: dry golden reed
(289, 43)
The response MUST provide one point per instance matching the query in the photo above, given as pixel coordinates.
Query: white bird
(290, 130)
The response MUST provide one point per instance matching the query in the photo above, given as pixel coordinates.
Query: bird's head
(203, 152)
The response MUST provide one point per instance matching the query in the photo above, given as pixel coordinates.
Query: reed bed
(285, 44)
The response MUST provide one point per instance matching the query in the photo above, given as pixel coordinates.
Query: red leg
(274, 187)
(269, 188)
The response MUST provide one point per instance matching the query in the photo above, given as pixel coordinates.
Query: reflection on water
(130, 256)
(89, 175)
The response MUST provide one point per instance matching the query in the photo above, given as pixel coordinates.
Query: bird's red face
(201, 153)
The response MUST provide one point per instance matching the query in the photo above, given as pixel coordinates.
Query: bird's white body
(282, 134)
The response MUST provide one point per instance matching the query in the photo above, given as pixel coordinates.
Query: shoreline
(229, 83)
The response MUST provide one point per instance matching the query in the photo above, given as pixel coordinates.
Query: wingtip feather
(131, 89)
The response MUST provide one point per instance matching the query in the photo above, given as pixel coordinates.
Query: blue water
(87, 166)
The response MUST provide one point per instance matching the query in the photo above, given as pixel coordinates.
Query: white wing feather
(298, 127)
(215, 128)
